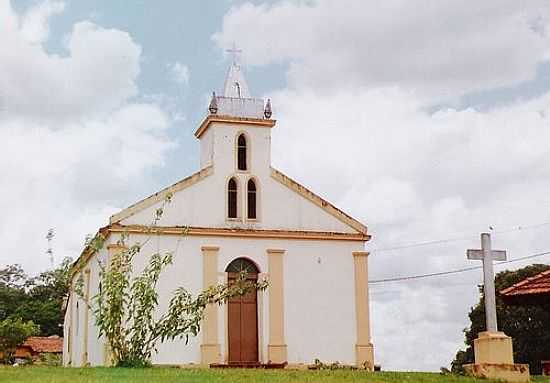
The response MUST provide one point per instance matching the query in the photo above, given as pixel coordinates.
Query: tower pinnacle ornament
(213, 107)
(267, 111)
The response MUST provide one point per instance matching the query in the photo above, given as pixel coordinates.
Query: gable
(155, 200)
(321, 203)
(284, 205)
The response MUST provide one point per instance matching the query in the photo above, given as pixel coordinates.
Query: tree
(527, 325)
(12, 276)
(43, 297)
(12, 289)
(13, 332)
(126, 306)
(38, 299)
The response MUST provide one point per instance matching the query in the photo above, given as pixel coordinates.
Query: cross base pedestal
(499, 371)
(494, 359)
(493, 347)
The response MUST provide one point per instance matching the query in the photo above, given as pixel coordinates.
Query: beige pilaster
(364, 351)
(112, 250)
(69, 360)
(210, 347)
(86, 325)
(276, 349)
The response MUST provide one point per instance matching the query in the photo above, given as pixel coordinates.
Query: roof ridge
(524, 281)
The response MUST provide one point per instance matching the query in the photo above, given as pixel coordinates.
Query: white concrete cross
(487, 255)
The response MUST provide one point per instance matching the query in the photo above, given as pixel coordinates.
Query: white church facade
(237, 212)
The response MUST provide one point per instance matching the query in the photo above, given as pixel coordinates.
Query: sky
(426, 120)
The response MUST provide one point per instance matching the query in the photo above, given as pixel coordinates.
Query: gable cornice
(161, 195)
(87, 253)
(320, 202)
(232, 120)
(236, 232)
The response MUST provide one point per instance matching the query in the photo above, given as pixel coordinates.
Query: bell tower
(235, 139)
(236, 111)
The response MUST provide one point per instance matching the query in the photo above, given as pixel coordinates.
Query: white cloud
(179, 72)
(72, 141)
(441, 49)
(413, 176)
(34, 25)
(97, 76)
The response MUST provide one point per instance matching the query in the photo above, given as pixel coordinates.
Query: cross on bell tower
(235, 85)
(234, 54)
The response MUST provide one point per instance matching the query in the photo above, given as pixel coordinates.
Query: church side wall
(83, 346)
(95, 345)
(67, 333)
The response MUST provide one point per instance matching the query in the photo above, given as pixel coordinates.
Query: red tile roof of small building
(44, 344)
(535, 285)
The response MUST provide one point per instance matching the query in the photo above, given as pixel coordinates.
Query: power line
(456, 239)
(449, 272)
(419, 244)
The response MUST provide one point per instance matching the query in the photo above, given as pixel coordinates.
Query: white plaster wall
(320, 301)
(95, 344)
(318, 296)
(66, 329)
(76, 311)
(206, 148)
(204, 203)
(75, 322)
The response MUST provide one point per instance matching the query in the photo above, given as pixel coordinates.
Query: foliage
(125, 307)
(318, 365)
(178, 375)
(527, 325)
(12, 276)
(50, 359)
(12, 290)
(13, 332)
(38, 299)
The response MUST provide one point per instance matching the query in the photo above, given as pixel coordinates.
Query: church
(239, 213)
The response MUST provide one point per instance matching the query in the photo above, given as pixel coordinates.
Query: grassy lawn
(173, 375)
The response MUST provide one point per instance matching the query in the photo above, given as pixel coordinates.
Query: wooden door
(243, 326)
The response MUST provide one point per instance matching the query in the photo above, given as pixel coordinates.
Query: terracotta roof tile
(44, 344)
(535, 285)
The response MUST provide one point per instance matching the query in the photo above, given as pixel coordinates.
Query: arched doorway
(242, 321)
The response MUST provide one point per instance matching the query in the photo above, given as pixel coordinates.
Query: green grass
(174, 375)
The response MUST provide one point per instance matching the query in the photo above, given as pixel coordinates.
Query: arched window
(251, 194)
(232, 198)
(242, 264)
(241, 152)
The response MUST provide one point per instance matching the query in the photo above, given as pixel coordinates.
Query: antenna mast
(49, 237)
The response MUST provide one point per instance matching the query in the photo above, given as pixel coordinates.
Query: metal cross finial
(235, 53)
(488, 255)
